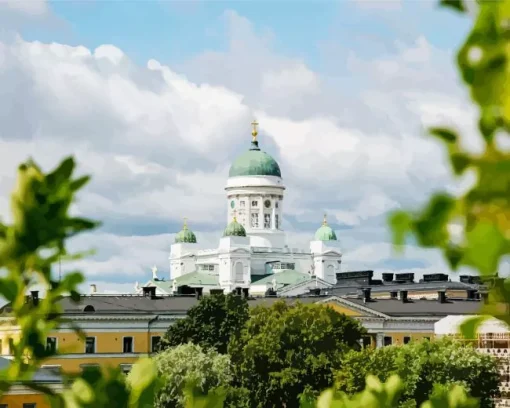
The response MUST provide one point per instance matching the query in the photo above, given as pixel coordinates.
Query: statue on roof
(155, 273)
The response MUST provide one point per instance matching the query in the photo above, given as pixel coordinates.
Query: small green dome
(234, 229)
(254, 162)
(185, 236)
(325, 232)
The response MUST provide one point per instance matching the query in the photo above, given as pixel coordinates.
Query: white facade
(256, 202)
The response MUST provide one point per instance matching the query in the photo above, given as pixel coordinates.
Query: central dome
(255, 162)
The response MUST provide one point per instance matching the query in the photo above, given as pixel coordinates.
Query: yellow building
(21, 395)
(121, 328)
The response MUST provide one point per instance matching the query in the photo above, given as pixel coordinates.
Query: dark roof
(42, 375)
(136, 304)
(421, 307)
(352, 287)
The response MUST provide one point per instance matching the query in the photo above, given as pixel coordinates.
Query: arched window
(89, 309)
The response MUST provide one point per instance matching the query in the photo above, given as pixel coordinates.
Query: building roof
(254, 162)
(420, 307)
(284, 278)
(41, 376)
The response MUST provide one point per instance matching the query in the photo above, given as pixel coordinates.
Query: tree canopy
(189, 365)
(210, 323)
(422, 365)
(287, 350)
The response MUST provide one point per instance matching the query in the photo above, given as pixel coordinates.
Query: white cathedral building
(252, 255)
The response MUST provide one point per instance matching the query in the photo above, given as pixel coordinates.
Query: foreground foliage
(421, 366)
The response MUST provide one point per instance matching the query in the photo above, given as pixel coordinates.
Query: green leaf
(485, 246)
(469, 327)
(400, 224)
(444, 134)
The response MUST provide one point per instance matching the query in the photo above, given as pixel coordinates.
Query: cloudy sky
(155, 100)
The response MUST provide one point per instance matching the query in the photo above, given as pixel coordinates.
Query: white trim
(132, 344)
(353, 306)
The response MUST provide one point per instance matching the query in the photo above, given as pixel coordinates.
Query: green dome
(234, 229)
(255, 162)
(325, 232)
(185, 236)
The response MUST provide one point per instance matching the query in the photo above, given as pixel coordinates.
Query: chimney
(366, 295)
(149, 291)
(93, 288)
(246, 292)
(441, 296)
(393, 294)
(198, 292)
(403, 296)
(35, 297)
(387, 277)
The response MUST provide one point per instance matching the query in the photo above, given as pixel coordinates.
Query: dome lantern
(255, 162)
(325, 232)
(185, 235)
(234, 229)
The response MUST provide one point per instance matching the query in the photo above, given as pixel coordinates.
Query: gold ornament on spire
(185, 226)
(254, 131)
(325, 220)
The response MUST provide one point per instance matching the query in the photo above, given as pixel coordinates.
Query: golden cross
(254, 132)
(185, 222)
(325, 221)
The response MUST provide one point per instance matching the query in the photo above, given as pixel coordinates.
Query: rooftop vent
(435, 277)
(387, 277)
(198, 292)
(366, 295)
(404, 277)
(441, 296)
(403, 296)
(35, 297)
(149, 291)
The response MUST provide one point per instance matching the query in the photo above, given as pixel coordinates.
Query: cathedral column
(273, 217)
(261, 212)
(248, 208)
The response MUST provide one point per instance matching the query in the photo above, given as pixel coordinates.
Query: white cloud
(158, 140)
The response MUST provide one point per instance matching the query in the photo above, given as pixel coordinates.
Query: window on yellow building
(367, 341)
(11, 346)
(51, 344)
(407, 339)
(128, 345)
(90, 345)
(3, 406)
(30, 405)
(155, 343)
(388, 340)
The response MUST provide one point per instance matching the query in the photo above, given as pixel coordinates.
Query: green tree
(421, 366)
(189, 364)
(286, 350)
(210, 323)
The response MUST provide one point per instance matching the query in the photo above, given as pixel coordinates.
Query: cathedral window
(241, 203)
(267, 220)
(254, 220)
(276, 204)
(254, 203)
(276, 219)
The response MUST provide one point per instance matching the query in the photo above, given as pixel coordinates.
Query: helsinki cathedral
(252, 256)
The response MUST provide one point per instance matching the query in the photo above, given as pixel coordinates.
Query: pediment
(240, 251)
(352, 309)
(332, 252)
